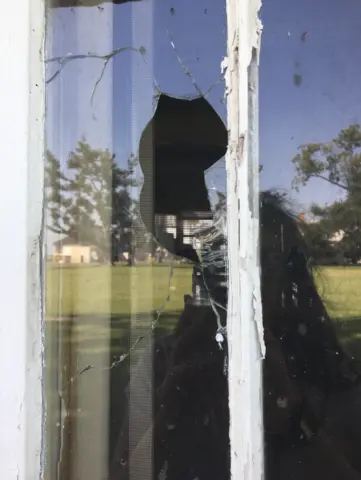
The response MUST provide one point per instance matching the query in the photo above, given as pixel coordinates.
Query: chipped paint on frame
(244, 321)
(22, 139)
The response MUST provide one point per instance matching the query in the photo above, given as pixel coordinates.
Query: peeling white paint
(22, 108)
(244, 321)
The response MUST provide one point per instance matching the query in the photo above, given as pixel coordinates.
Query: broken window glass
(137, 242)
(136, 302)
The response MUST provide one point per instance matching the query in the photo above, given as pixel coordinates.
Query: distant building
(302, 217)
(68, 251)
(304, 220)
(337, 236)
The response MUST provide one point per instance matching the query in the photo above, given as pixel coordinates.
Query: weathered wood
(22, 116)
(244, 319)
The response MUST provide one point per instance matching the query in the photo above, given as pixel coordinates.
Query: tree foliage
(89, 200)
(338, 163)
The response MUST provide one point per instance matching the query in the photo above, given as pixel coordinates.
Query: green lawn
(90, 312)
(91, 297)
(115, 290)
(340, 290)
(90, 315)
(93, 311)
(123, 290)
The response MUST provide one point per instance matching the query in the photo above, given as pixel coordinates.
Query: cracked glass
(136, 281)
(136, 277)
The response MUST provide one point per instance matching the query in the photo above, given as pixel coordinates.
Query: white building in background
(68, 251)
(337, 236)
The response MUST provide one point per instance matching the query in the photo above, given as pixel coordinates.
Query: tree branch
(336, 184)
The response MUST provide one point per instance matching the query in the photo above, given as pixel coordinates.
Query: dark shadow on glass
(190, 420)
(312, 417)
(311, 386)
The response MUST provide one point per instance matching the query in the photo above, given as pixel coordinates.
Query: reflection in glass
(136, 272)
(310, 249)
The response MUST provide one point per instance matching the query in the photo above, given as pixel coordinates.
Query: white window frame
(244, 316)
(22, 126)
(22, 113)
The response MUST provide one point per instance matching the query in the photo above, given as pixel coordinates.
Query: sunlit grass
(124, 290)
(340, 289)
(101, 302)
(116, 290)
(90, 311)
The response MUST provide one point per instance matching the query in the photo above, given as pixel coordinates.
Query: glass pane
(136, 290)
(310, 139)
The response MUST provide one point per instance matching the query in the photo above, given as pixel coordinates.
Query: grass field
(117, 290)
(120, 290)
(90, 315)
(90, 311)
(340, 290)
(93, 296)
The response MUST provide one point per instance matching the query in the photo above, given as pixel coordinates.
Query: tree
(338, 163)
(89, 200)
(321, 249)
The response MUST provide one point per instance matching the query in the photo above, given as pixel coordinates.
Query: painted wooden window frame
(22, 127)
(244, 317)
(22, 112)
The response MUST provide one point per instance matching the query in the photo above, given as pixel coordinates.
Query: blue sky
(329, 97)
(328, 62)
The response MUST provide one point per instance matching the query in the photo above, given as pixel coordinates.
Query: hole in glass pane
(136, 272)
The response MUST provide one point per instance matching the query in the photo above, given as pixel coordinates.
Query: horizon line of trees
(90, 199)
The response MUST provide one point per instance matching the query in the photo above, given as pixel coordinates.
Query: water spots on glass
(297, 79)
(303, 36)
(282, 402)
(302, 329)
(219, 339)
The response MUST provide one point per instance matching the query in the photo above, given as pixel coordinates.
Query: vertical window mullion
(244, 321)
